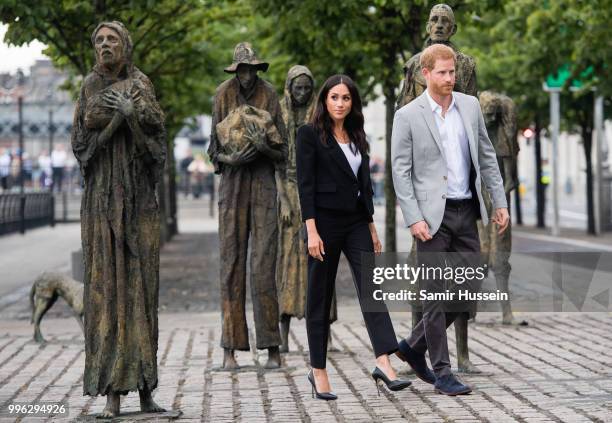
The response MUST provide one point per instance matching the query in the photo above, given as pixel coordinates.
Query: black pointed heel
(328, 396)
(393, 385)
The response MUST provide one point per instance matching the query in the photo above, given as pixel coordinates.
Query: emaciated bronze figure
(500, 116)
(248, 191)
(118, 139)
(292, 256)
(441, 26)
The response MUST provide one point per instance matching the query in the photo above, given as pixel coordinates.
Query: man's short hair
(436, 52)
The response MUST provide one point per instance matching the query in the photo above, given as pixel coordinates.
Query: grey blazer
(419, 166)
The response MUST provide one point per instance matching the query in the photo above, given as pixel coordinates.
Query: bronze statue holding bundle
(244, 147)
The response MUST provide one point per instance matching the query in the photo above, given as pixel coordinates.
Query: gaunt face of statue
(301, 90)
(247, 75)
(489, 113)
(109, 47)
(441, 25)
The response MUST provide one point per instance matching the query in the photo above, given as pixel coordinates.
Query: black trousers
(348, 233)
(458, 233)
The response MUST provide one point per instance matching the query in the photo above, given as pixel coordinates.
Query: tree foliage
(181, 45)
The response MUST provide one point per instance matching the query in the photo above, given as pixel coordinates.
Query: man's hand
(420, 230)
(501, 218)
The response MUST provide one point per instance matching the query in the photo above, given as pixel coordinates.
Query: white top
(5, 164)
(44, 163)
(456, 149)
(353, 159)
(58, 158)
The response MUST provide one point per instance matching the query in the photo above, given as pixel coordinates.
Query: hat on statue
(245, 54)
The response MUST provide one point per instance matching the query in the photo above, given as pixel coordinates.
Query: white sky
(13, 58)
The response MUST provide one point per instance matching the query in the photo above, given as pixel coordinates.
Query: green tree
(369, 40)
(181, 45)
(519, 44)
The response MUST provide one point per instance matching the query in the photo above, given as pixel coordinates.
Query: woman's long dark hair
(353, 123)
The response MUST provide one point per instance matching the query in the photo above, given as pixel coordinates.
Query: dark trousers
(458, 233)
(58, 178)
(348, 233)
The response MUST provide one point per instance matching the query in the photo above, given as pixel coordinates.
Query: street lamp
(19, 91)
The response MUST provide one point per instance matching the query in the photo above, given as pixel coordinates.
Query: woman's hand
(315, 246)
(375, 239)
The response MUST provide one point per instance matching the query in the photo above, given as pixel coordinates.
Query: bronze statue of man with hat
(248, 149)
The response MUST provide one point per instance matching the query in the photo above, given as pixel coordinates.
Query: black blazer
(325, 178)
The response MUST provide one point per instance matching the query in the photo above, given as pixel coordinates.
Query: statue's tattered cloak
(120, 233)
(292, 256)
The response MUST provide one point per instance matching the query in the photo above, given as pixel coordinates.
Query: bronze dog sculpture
(47, 288)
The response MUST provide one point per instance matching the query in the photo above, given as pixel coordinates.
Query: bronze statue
(500, 116)
(118, 139)
(251, 165)
(441, 26)
(292, 255)
(45, 291)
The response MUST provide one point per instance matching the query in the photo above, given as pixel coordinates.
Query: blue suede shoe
(449, 385)
(417, 362)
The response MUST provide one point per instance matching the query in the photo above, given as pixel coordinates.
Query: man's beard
(443, 89)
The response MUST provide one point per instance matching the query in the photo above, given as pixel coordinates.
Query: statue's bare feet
(147, 405)
(331, 347)
(274, 360)
(284, 333)
(229, 360)
(466, 366)
(113, 402)
(39, 338)
(507, 319)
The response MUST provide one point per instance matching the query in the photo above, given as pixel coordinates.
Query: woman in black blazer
(336, 201)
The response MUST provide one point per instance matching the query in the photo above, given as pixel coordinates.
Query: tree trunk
(390, 199)
(172, 193)
(540, 188)
(587, 142)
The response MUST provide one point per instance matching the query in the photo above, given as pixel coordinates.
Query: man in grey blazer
(440, 153)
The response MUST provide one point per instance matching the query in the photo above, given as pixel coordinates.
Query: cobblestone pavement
(556, 369)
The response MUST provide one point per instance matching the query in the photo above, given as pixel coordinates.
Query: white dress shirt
(353, 159)
(456, 149)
